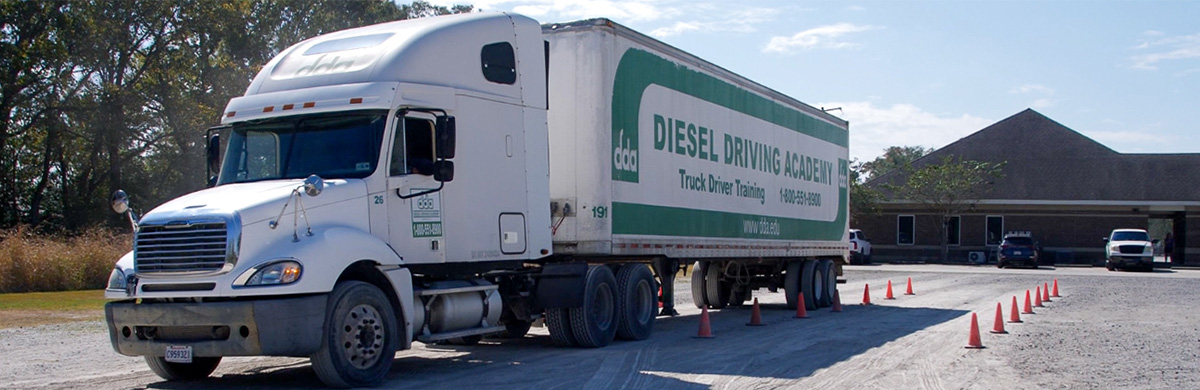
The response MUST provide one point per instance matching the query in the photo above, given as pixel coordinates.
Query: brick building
(1066, 189)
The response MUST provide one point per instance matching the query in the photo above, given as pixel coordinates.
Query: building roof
(1046, 161)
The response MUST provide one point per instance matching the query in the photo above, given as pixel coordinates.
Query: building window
(953, 230)
(499, 63)
(906, 229)
(995, 229)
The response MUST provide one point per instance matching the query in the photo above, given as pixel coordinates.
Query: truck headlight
(271, 274)
(117, 280)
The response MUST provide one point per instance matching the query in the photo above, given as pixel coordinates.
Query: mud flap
(561, 286)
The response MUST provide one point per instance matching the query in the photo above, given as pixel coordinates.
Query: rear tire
(360, 337)
(199, 368)
(559, 322)
(716, 290)
(637, 302)
(595, 323)
(699, 296)
(791, 284)
(808, 281)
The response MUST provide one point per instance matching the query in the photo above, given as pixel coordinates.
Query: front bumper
(1130, 261)
(266, 327)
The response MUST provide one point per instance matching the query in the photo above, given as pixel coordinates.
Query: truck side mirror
(212, 154)
(445, 137)
(443, 171)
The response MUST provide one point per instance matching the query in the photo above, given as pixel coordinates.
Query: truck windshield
(1130, 236)
(331, 145)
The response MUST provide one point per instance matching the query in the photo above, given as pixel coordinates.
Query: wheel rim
(643, 304)
(602, 308)
(362, 336)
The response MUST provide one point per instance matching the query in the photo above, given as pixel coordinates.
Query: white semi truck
(446, 178)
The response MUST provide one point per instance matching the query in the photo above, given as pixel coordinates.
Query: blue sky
(927, 73)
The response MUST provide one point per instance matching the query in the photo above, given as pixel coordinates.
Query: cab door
(414, 201)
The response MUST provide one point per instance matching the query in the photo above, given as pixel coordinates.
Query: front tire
(595, 323)
(360, 337)
(636, 302)
(199, 368)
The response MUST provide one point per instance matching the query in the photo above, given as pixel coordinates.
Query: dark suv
(1017, 249)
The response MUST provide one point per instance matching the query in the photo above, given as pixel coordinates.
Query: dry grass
(30, 263)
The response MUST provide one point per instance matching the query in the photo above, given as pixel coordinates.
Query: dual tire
(814, 280)
(614, 305)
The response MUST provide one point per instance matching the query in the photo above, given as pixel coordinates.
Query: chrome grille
(1132, 248)
(181, 247)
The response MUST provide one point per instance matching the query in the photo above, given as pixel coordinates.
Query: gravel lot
(1109, 330)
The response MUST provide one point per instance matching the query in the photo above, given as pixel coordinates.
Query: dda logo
(625, 157)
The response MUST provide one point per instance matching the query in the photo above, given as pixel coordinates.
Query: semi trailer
(442, 179)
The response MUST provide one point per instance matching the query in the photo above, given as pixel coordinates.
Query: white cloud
(1165, 49)
(742, 21)
(1032, 88)
(1045, 93)
(872, 129)
(824, 37)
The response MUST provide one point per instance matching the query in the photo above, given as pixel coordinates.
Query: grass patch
(42, 308)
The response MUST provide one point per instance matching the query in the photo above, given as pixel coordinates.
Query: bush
(31, 262)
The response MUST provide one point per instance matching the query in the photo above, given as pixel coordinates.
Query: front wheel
(199, 368)
(360, 337)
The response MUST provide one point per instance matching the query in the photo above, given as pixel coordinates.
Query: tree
(948, 188)
(97, 95)
(864, 200)
(894, 157)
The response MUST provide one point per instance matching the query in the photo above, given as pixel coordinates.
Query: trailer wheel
(636, 302)
(830, 273)
(716, 290)
(791, 283)
(595, 323)
(199, 368)
(808, 284)
(699, 296)
(821, 284)
(360, 337)
(559, 322)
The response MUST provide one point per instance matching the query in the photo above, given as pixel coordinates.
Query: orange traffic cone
(756, 315)
(1055, 294)
(837, 302)
(973, 340)
(889, 291)
(867, 294)
(999, 326)
(801, 312)
(1028, 307)
(1037, 298)
(705, 328)
(1045, 292)
(1014, 317)
(909, 290)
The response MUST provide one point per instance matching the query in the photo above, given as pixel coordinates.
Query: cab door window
(412, 147)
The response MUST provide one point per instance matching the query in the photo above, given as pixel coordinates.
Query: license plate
(1016, 253)
(179, 354)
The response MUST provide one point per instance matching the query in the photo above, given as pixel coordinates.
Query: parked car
(1129, 249)
(1017, 249)
(860, 247)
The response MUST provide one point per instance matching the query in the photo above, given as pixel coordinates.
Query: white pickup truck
(1129, 248)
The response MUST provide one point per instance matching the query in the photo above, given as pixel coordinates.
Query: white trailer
(446, 178)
